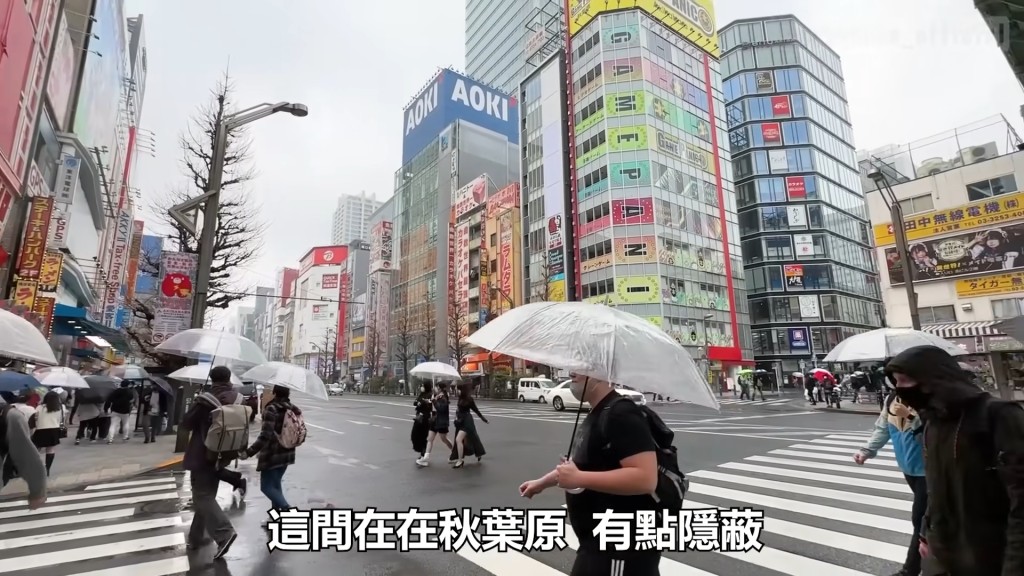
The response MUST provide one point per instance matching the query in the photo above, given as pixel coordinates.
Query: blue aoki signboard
(450, 97)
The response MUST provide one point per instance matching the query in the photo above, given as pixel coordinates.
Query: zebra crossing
(738, 402)
(823, 515)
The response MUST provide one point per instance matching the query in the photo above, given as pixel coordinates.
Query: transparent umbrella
(884, 343)
(203, 344)
(199, 374)
(128, 372)
(290, 376)
(435, 371)
(60, 376)
(20, 340)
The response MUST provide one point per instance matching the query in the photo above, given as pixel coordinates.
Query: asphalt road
(824, 515)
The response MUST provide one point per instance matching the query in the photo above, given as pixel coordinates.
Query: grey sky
(913, 68)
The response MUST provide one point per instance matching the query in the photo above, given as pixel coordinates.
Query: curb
(166, 464)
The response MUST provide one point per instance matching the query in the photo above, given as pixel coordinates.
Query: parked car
(335, 390)
(637, 397)
(560, 397)
(532, 389)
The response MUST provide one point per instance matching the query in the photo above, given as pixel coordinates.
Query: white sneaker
(423, 460)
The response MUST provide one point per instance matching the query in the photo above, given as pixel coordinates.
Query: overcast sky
(913, 68)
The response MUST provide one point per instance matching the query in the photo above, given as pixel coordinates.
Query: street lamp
(211, 199)
(898, 230)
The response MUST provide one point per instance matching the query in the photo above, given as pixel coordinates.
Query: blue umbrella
(11, 381)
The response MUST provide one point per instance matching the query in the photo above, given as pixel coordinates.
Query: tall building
(263, 318)
(244, 322)
(281, 334)
(652, 201)
(314, 310)
(803, 219)
(455, 131)
(503, 36)
(352, 287)
(351, 218)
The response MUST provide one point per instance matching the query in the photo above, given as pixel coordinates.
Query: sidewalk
(98, 462)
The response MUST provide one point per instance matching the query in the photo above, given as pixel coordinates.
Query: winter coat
(974, 468)
(905, 434)
(197, 420)
(120, 401)
(271, 453)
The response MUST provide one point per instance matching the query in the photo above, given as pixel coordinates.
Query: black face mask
(913, 397)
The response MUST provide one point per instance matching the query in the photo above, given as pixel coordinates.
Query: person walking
(275, 456)
(88, 407)
(974, 465)
(421, 421)
(467, 440)
(153, 408)
(206, 468)
(51, 426)
(18, 453)
(119, 405)
(438, 423)
(901, 425)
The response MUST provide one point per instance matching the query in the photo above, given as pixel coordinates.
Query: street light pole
(900, 233)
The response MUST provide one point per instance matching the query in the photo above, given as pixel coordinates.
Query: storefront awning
(962, 329)
(73, 321)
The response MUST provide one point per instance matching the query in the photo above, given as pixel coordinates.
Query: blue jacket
(907, 441)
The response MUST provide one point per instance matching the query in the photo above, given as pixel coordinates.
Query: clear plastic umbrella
(20, 340)
(203, 344)
(199, 374)
(128, 372)
(60, 376)
(290, 376)
(600, 342)
(884, 343)
(435, 371)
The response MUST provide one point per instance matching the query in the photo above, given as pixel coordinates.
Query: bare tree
(540, 288)
(372, 350)
(404, 339)
(458, 328)
(239, 227)
(139, 328)
(427, 332)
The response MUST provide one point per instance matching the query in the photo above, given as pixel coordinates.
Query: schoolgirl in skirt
(50, 427)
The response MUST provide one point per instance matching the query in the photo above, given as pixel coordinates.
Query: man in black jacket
(119, 405)
(974, 465)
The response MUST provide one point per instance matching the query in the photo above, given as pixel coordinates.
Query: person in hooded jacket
(421, 423)
(974, 465)
(902, 425)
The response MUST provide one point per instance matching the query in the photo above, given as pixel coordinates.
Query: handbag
(63, 424)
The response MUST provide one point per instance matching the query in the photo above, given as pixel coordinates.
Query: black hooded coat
(974, 467)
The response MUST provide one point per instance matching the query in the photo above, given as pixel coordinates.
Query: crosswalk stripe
(854, 445)
(837, 449)
(874, 462)
(91, 495)
(63, 520)
(848, 437)
(81, 534)
(806, 508)
(817, 492)
(165, 567)
(87, 505)
(128, 484)
(851, 468)
(8, 565)
(817, 477)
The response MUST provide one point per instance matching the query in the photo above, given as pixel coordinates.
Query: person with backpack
(974, 465)
(282, 432)
(901, 425)
(622, 460)
(219, 425)
(19, 453)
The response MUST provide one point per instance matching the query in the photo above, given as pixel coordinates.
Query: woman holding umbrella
(467, 441)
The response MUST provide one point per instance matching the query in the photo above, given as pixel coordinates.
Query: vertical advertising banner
(381, 247)
(382, 310)
(554, 194)
(344, 296)
(57, 239)
(33, 247)
(485, 280)
(67, 180)
(174, 305)
(505, 263)
(25, 292)
(49, 273)
(134, 254)
(44, 307)
(462, 267)
(451, 267)
(118, 264)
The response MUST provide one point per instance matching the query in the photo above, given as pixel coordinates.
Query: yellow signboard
(990, 285)
(596, 263)
(631, 290)
(691, 19)
(556, 291)
(989, 213)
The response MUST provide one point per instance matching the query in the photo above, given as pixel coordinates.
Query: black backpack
(672, 483)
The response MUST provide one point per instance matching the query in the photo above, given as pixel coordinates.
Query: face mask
(576, 389)
(913, 397)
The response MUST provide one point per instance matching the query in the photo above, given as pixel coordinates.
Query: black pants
(602, 563)
(919, 487)
(90, 427)
(232, 477)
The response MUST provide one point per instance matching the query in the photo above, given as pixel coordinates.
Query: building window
(937, 314)
(918, 204)
(989, 188)
(1007, 308)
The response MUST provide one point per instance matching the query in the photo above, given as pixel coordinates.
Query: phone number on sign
(510, 529)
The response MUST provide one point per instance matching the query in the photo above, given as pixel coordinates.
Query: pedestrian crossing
(738, 402)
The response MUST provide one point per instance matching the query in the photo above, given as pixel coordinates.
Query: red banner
(632, 211)
(33, 248)
(796, 188)
(344, 295)
(771, 133)
(505, 240)
(780, 106)
(451, 266)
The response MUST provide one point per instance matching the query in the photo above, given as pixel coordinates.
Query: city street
(824, 514)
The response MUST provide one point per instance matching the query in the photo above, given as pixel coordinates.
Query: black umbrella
(161, 384)
(102, 385)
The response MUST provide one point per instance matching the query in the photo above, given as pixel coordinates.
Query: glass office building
(810, 275)
(655, 213)
(502, 36)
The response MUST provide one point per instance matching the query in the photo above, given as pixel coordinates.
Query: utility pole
(900, 234)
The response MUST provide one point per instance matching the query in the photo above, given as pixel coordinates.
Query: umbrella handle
(572, 439)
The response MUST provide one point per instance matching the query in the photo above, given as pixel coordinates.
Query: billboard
(134, 253)
(49, 274)
(675, 84)
(174, 308)
(118, 264)
(636, 250)
(62, 75)
(631, 290)
(146, 283)
(323, 256)
(450, 96)
(381, 246)
(470, 196)
(994, 285)
(632, 211)
(329, 282)
(382, 312)
(99, 103)
(630, 174)
(691, 19)
(555, 214)
(679, 118)
(506, 263)
(504, 199)
(989, 250)
(988, 212)
(627, 138)
(461, 291)
(33, 245)
(17, 48)
(344, 296)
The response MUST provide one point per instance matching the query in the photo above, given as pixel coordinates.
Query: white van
(534, 389)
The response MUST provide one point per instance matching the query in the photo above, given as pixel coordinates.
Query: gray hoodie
(24, 454)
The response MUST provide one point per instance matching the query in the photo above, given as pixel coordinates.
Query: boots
(49, 463)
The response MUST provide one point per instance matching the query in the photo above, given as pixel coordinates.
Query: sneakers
(222, 548)
(423, 460)
(243, 489)
(198, 544)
